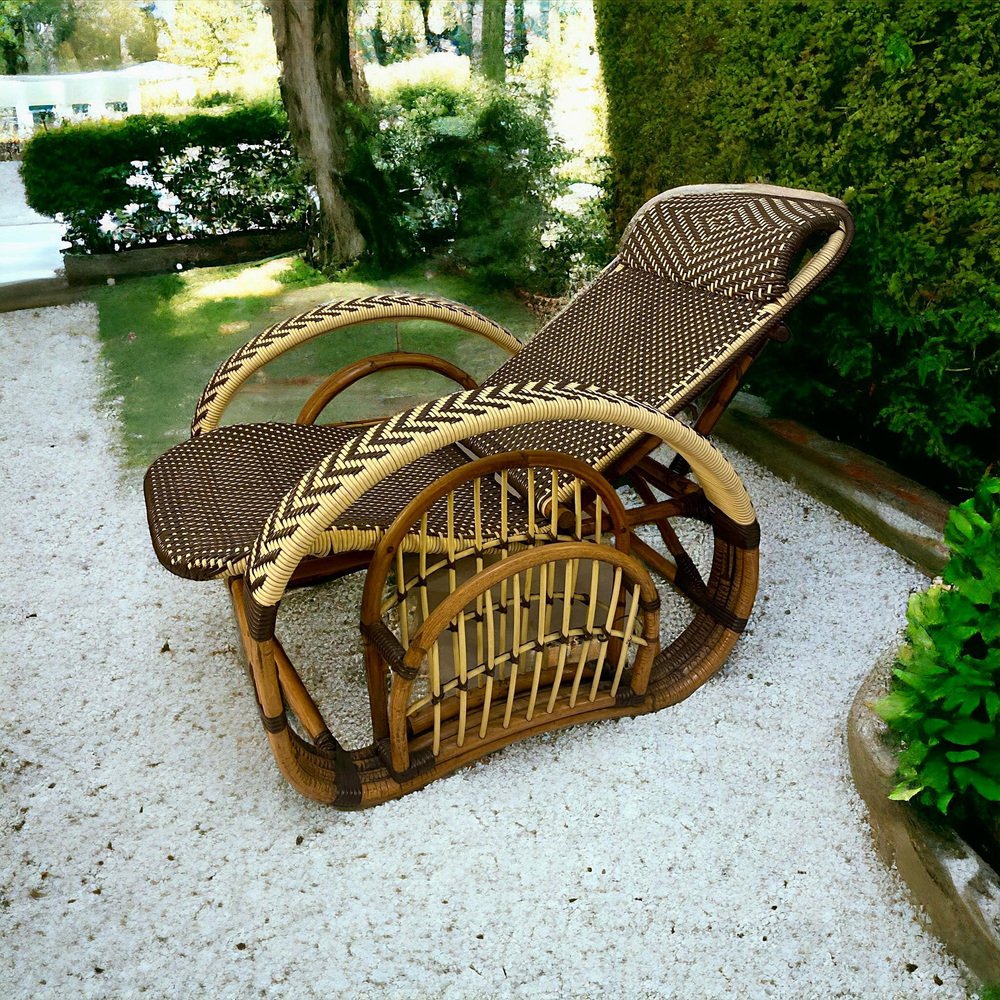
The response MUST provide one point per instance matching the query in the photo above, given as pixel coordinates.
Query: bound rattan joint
(509, 532)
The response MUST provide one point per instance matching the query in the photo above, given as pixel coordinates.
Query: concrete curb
(959, 892)
(897, 511)
(38, 293)
(165, 258)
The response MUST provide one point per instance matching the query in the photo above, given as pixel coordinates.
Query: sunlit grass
(438, 69)
(164, 336)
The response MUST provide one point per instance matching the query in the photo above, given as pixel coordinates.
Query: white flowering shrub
(149, 179)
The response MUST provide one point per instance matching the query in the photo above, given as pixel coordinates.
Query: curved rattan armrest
(294, 528)
(337, 315)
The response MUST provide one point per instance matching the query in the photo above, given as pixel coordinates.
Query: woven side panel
(322, 319)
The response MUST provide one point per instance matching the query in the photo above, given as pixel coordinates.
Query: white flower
(107, 222)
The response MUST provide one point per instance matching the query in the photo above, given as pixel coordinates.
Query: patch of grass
(163, 337)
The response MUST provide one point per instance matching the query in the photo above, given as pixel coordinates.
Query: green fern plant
(944, 704)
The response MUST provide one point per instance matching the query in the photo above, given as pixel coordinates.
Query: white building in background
(27, 101)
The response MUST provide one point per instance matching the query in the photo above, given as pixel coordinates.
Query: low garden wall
(10, 149)
(958, 890)
(230, 248)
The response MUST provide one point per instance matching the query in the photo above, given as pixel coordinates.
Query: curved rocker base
(354, 779)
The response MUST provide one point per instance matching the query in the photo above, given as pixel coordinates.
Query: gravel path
(150, 847)
(14, 210)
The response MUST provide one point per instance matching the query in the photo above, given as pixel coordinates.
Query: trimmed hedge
(893, 106)
(230, 171)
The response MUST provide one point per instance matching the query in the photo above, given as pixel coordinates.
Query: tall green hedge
(894, 106)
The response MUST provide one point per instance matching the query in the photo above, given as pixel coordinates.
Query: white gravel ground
(716, 849)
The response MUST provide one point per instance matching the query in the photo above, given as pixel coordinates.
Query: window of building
(43, 114)
(8, 121)
(118, 107)
(80, 109)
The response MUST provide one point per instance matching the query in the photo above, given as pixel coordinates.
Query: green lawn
(164, 336)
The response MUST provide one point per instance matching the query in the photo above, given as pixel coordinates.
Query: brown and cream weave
(701, 276)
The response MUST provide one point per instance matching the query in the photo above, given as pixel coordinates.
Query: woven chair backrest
(701, 276)
(738, 241)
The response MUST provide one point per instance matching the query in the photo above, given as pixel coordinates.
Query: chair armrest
(293, 529)
(337, 315)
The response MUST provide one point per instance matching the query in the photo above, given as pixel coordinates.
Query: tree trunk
(430, 38)
(466, 44)
(317, 79)
(494, 13)
(378, 40)
(519, 48)
(543, 18)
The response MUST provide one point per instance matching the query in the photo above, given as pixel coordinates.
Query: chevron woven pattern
(209, 496)
(280, 337)
(740, 245)
(300, 519)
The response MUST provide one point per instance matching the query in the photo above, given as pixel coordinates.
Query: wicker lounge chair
(508, 585)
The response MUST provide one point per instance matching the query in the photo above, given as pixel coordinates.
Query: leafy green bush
(891, 105)
(151, 178)
(945, 701)
(216, 99)
(466, 175)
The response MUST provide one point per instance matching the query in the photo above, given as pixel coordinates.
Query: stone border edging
(897, 511)
(959, 892)
(38, 293)
(208, 251)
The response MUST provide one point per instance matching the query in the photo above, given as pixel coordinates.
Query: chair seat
(208, 497)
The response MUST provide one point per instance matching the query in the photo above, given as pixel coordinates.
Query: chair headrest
(738, 240)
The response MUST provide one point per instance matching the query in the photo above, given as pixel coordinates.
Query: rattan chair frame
(508, 651)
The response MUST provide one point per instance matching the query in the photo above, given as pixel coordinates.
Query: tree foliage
(465, 175)
(893, 106)
(216, 35)
(65, 35)
(390, 31)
